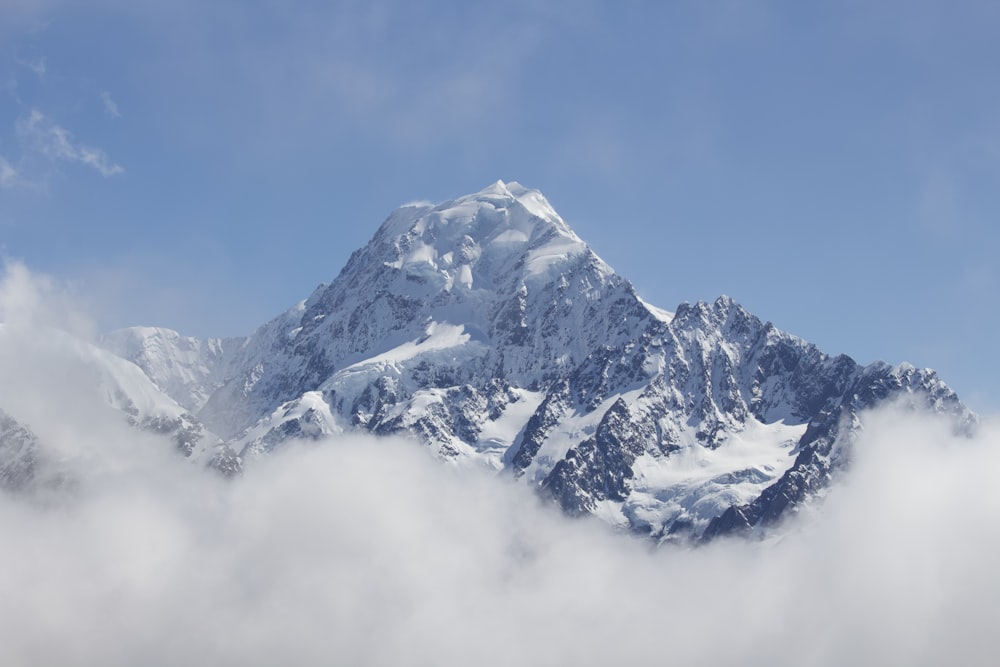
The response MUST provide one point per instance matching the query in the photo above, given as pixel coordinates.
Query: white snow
(510, 237)
(323, 422)
(662, 315)
(699, 483)
(464, 277)
(498, 435)
(545, 261)
(437, 336)
(534, 201)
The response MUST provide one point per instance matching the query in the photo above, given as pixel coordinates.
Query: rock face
(488, 329)
(18, 454)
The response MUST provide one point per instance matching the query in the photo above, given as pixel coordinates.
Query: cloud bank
(367, 552)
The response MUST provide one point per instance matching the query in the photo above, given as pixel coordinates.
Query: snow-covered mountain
(488, 329)
(185, 368)
(63, 383)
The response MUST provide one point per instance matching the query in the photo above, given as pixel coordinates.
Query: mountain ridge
(488, 329)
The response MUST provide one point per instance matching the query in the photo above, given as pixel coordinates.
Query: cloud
(37, 66)
(29, 300)
(56, 143)
(402, 76)
(8, 174)
(22, 294)
(367, 551)
(110, 107)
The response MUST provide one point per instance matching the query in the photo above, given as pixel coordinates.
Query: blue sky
(835, 167)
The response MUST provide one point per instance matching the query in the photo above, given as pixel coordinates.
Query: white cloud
(110, 106)
(369, 551)
(29, 300)
(56, 143)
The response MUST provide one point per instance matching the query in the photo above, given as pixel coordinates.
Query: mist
(368, 551)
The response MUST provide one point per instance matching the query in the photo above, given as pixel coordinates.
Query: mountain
(488, 329)
(18, 454)
(187, 369)
(64, 383)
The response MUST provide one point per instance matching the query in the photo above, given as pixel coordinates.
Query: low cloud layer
(359, 551)
(369, 552)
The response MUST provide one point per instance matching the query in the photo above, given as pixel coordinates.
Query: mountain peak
(500, 196)
(492, 283)
(508, 189)
(531, 198)
(497, 188)
(497, 207)
(486, 328)
(477, 238)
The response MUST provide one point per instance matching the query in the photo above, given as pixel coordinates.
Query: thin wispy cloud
(37, 66)
(381, 69)
(56, 143)
(110, 106)
(8, 174)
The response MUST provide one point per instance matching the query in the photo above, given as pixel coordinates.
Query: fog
(359, 551)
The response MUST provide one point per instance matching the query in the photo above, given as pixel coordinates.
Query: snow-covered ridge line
(488, 329)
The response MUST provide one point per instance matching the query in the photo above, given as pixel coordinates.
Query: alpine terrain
(488, 329)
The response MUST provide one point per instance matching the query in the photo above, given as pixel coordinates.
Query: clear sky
(834, 166)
